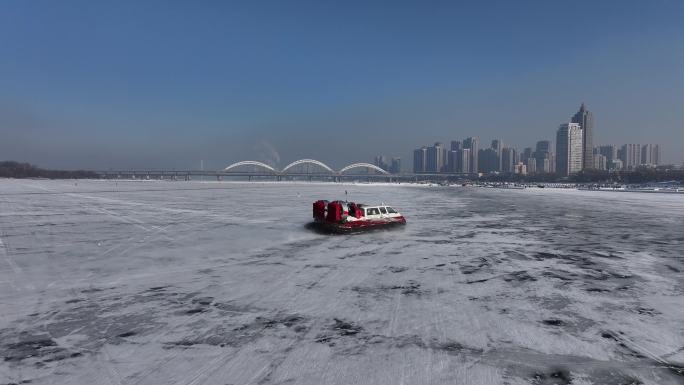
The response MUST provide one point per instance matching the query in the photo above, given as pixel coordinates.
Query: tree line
(11, 169)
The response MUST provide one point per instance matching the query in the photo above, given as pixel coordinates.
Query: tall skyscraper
(631, 156)
(436, 158)
(650, 154)
(526, 154)
(610, 152)
(463, 161)
(452, 159)
(395, 168)
(543, 155)
(543, 146)
(381, 161)
(599, 160)
(473, 144)
(419, 159)
(508, 159)
(585, 119)
(497, 145)
(488, 160)
(657, 155)
(569, 149)
(620, 157)
(459, 161)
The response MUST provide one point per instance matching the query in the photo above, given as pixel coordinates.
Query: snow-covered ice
(105, 282)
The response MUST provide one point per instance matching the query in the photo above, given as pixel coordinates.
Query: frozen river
(220, 283)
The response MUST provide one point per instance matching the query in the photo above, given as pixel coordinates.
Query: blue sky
(165, 84)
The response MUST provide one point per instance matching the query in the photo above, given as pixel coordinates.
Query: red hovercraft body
(339, 216)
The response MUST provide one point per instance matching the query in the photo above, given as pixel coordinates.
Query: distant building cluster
(460, 158)
(574, 152)
(627, 157)
(393, 165)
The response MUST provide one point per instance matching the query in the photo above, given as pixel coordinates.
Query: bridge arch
(365, 165)
(250, 163)
(307, 161)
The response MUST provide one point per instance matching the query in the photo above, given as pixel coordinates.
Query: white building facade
(569, 149)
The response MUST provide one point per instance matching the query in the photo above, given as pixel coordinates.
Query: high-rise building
(600, 162)
(520, 168)
(456, 145)
(395, 168)
(526, 154)
(508, 159)
(420, 160)
(452, 160)
(544, 161)
(620, 155)
(488, 160)
(569, 145)
(531, 165)
(646, 153)
(616, 164)
(650, 154)
(381, 161)
(436, 158)
(473, 144)
(631, 156)
(543, 146)
(497, 145)
(463, 161)
(459, 161)
(543, 155)
(585, 119)
(610, 152)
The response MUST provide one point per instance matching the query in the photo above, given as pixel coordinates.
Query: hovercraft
(343, 217)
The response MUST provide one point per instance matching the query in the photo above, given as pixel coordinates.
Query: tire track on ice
(221, 359)
(196, 316)
(16, 269)
(212, 365)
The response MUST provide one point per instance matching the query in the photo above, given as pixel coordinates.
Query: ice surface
(105, 282)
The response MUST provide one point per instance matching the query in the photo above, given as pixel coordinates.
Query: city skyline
(129, 85)
(573, 141)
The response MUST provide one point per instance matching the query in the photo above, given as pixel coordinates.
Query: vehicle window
(391, 210)
(373, 211)
(382, 210)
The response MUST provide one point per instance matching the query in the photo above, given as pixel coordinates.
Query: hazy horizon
(168, 84)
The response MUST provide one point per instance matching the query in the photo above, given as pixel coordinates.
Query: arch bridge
(307, 161)
(250, 163)
(287, 170)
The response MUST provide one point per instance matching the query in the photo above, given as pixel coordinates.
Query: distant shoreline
(636, 188)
